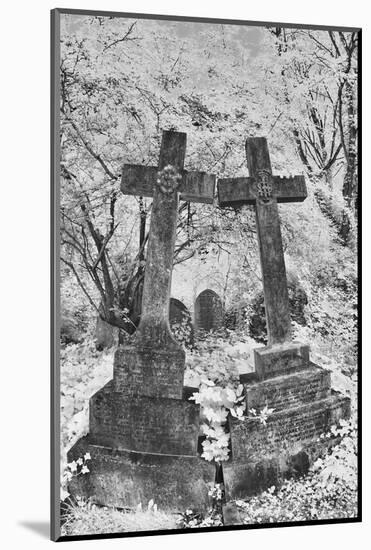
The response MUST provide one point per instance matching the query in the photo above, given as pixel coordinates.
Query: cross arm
(289, 189)
(137, 179)
(284, 189)
(235, 192)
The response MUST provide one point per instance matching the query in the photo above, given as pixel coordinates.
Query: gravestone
(284, 379)
(106, 335)
(208, 311)
(143, 431)
(180, 321)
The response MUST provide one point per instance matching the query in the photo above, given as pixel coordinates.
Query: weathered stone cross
(264, 191)
(157, 366)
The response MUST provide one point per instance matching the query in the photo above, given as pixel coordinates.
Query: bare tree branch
(125, 37)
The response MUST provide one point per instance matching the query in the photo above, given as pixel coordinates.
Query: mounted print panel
(205, 321)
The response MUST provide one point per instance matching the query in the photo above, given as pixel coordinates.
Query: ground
(329, 490)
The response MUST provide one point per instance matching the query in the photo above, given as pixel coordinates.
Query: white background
(24, 248)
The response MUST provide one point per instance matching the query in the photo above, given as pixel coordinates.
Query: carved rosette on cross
(168, 180)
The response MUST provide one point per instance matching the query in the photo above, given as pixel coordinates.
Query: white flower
(64, 494)
(68, 475)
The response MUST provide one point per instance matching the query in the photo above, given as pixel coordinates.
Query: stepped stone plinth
(125, 478)
(143, 447)
(141, 423)
(152, 365)
(304, 407)
(280, 359)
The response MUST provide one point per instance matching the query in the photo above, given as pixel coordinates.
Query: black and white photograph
(206, 205)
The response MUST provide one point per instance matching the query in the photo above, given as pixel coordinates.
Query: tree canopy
(125, 80)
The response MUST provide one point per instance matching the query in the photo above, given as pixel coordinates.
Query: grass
(85, 519)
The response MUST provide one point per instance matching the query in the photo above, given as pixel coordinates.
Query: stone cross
(153, 364)
(164, 183)
(143, 430)
(264, 190)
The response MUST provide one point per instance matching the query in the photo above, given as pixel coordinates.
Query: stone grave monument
(143, 431)
(285, 379)
(208, 311)
(179, 315)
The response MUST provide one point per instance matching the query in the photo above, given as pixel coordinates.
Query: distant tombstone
(181, 322)
(106, 335)
(208, 311)
(70, 330)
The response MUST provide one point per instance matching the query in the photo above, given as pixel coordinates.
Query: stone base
(231, 514)
(143, 369)
(123, 479)
(289, 390)
(243, 479)
(263, 456)
(143, 424)
(286, 431)
(280, 359)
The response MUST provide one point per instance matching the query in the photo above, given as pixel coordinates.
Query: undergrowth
(84, 518)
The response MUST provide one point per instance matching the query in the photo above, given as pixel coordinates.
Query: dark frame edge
(241, 527)
(105, 13)
(55, 533)
(359, 272)
(54, 277)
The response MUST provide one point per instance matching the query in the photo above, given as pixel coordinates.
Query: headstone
(285, 380)
(208, 311)
(70, 330)
(143, 432)
(180, 321)
(106, 336)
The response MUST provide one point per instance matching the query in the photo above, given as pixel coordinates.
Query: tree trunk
(350, 178)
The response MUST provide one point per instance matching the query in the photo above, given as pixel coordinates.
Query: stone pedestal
(280, 359)
(141, 423)
(304, 408)
(143, 435)
(123, 478)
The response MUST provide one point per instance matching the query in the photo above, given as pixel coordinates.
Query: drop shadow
(42, 528)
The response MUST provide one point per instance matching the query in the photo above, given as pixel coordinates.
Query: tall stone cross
(153, 364)
(264, 190)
